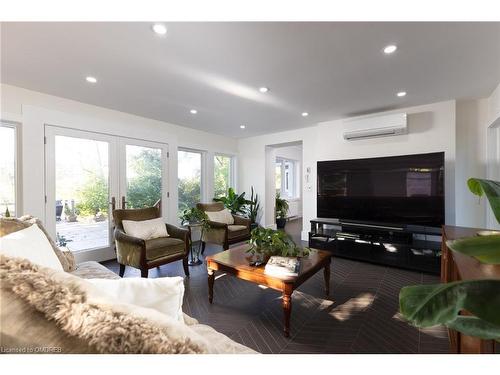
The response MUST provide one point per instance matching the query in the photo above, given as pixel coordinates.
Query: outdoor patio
(83, 235)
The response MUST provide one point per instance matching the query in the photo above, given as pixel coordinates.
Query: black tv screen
(401, 190)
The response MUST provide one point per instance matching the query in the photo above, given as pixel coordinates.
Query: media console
(410, 246)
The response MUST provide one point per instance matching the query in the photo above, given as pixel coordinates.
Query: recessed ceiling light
(193, 111)
(391, 48)
(263, 89)
(242, 126)
(91, 79)
(305, 114)
(160, 29)
(401, 94)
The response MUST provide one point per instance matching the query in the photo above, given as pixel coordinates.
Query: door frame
(116, 182)
(493, 165)
(98, 254)
(122, 183)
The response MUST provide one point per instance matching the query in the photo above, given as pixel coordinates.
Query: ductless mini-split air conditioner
(375, 126)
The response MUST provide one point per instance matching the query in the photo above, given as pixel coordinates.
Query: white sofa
(26, 323)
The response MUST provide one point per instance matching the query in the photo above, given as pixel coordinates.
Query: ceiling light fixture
(91, 79)
(305, 114)
(401, 94)
(263, 89)
(391, 48)
(160, 29)
(193, 111)
(242, 126)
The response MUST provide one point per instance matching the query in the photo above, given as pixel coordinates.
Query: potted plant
(100, 216)
(61, 240)
(429, 305)
(266, 242)
(234, 202)
(253, 209)
(282, 208)
(69, 213)
(59, 209)
(195, 217)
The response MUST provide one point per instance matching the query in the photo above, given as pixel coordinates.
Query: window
(222, 174)
(285, 178)
(8, 171)
(189, 174)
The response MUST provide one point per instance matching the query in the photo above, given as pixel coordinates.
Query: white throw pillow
(223, 216)
(145, 229)
(164, 294)
(32, 244)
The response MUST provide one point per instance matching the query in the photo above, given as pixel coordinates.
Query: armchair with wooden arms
(224, 234)
(146, 254)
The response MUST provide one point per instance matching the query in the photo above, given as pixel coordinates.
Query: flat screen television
(400, 190)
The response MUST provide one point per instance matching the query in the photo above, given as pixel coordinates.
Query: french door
(90, 174)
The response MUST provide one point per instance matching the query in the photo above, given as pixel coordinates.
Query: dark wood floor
(361, 315)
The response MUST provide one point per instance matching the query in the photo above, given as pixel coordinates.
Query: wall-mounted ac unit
(375, 126)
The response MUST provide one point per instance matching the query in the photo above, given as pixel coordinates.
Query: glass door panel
(222, 175)
(189, 175)
(82, 173)
(143, 173)
(7, 171)
(90, 174)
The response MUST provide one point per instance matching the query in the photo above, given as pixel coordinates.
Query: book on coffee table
(282, 266)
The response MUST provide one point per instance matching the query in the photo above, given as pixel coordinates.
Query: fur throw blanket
(109, 327)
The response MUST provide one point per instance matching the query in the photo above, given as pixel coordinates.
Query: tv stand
(405, 246)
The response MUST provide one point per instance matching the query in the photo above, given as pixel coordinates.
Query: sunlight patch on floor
(435, 331)
(353, 306)
(399, 317)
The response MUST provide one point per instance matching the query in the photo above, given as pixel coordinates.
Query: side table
(195, 245)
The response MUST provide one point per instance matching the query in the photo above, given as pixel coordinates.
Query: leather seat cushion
(237, 231)
(160, 247)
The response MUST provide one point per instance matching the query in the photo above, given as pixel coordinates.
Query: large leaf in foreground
(472, 326)
(429, 305)
(485, 248)
(489, 188)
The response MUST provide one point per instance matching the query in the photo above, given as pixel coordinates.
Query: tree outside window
(222, 175)
(189, 175)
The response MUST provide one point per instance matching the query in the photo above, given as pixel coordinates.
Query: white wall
(493, 148)
(34, 109)
(471, 119)
(431, 129)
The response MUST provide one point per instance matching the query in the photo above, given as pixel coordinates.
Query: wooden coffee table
(235, 262)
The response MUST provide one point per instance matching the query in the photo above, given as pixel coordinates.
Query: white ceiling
(330, 70)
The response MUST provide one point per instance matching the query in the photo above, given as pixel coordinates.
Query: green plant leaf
(485, 248)
(472, 326)
(489, 188)
(429, 305)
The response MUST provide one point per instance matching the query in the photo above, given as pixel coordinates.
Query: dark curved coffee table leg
(287, 309)
(211, 279)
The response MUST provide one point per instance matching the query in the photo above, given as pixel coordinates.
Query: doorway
(88, 175)
(283, 178)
